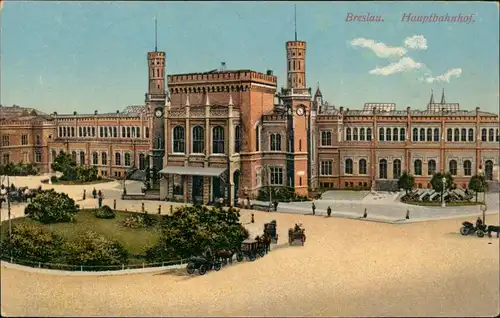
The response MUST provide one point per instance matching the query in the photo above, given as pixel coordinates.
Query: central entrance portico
(193, 184)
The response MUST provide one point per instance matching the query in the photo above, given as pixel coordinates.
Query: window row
(6, 158)
(354, 134)
(490, 135)
(127, 160)
(24, 140)
(423, 134)
(104, 132)
(198, 139)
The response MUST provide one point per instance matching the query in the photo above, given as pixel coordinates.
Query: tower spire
(443, 101)
(432, 97)
(295, 21)
(156, 35)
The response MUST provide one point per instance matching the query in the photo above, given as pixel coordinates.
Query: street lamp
(443, 181)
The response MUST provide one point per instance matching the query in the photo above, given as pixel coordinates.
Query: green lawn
(135, 241)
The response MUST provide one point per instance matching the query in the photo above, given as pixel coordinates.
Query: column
(185, 187)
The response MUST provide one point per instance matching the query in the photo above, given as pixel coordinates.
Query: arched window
(73, 155)
(275, 142)
(348, 134)
(198, 140)
(72, 131)
(82, 158)
(488, 170)
(396, 169)
(218, 139)
(453, 167)
(491, 135)
(417, 167)
(484, 134)
(355, 134)
(382, 168)
(104, 158)
(395, 134)
(471, 134)
(326, 138)
(456, 135)
(95, 158)
(467, 168)
(237, 138)
(142, 161)
(449, 134)
(362, 166)
(431, 167)
(388, 134)
(348, 166)
(127, 159)
(463, 135)
(436, 134)
(368, 134)
(429, 134)
(402, 134)
(498, 136)
(178, 141)
(414, 136)
(362, 134)
(381, 134)
(118, 159)
(421, 134)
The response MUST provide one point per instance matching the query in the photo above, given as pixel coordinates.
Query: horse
(493, 228)
(265, 240)
(225, 255)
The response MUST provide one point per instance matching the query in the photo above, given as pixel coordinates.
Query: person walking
(99, 198)
(329, 211)
(314, 208)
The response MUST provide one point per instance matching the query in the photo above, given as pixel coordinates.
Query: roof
(135, 109)
(18, 112)
(428, 113)
(215, 71)
(193, 171)
(318, 93)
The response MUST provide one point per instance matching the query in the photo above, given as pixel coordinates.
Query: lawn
(135, 241)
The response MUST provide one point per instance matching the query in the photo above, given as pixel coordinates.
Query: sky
(80, 56)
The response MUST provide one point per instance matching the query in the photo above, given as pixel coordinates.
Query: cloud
(403, 65)
(416, 42)
(454, 72)
(379, 48)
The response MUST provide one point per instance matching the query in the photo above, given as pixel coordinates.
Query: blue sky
(70, 56)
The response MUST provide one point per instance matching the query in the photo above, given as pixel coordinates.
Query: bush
(139, 220)
(105, 212)
(437, 183)
(96, 250)
(51, 207)
(53, 179)
(33, 243)
(406, 182)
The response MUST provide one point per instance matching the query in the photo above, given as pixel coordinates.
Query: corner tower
(296, 64)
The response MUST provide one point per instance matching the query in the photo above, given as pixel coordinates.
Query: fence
(88, 268)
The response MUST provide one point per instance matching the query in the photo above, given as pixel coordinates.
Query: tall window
(104, 158)
(388, 134)
(498, 135)
(101, 132)
(95, 158)
(484, 134)
(326, 168)
(382, 168)
(257, 138)
(348, 166)
(218, 139)
(179, 142)
(362, 166)
(24, 140)
(402, 134)
(449, 134)
(142, 161)
(395, 134)
(431, 167)
(118, 159)
(348, 134)
(326, 138)
(417, 167)
(381, 134)
(421, 134)
(491, 135)
(414, 136)
(72, 131)
(147, 132)
(237, 138)
(6, 158)
(275, 142)
(127, 159)
(276, 175)
(471, 134)
(82, 158)
(368, 134)
(396, 169)
(93, 131)
(456, 134)
(453, 167)
(60, 132)
(198, 140)
(128, 132)
(463, 135)
(73, 155)
(429, 134)
(5, 141)
(38, 157)
(138, 132)
(355, 134)
(362, 134)
(115, 132)
(436, 134)
(467, 168)
(488, 170)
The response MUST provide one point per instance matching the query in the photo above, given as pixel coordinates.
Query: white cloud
(416, 42)
(379, 48)
(403, 65)
(454, 72)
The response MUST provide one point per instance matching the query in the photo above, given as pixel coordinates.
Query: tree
(50, 206)
(65, 164)
(94, 249)
(477, 183)
(437, 183)
(104, 212)
(190, 230)
(32, 243)
(406, 182)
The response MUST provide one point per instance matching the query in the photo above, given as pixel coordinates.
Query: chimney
(95, 112)
(117, 111)
(341, 109)
(347, 109)
(269, 72)
(55, 113)
(477, 109)
(408, 109)
(74, 113)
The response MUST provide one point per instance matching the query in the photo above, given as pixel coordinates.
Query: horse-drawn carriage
(202, 264)
(296, 234)
(270, 230)
(251, 249)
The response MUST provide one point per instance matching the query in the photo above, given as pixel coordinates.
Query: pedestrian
(314, 208)
(275, 204)
(84, 194)
(159, 209)
(99, 198)
(94, 193)
(329, 211)
(365, 214)
(407, 214)
(253, 219)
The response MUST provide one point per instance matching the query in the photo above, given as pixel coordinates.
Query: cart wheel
(290, 241)
(464, 231)
(217, 266)
(262, 252)
(190, 268)
(202, 270)
(480, 233)
(239, 257)
(302, 241)
(252, 257)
